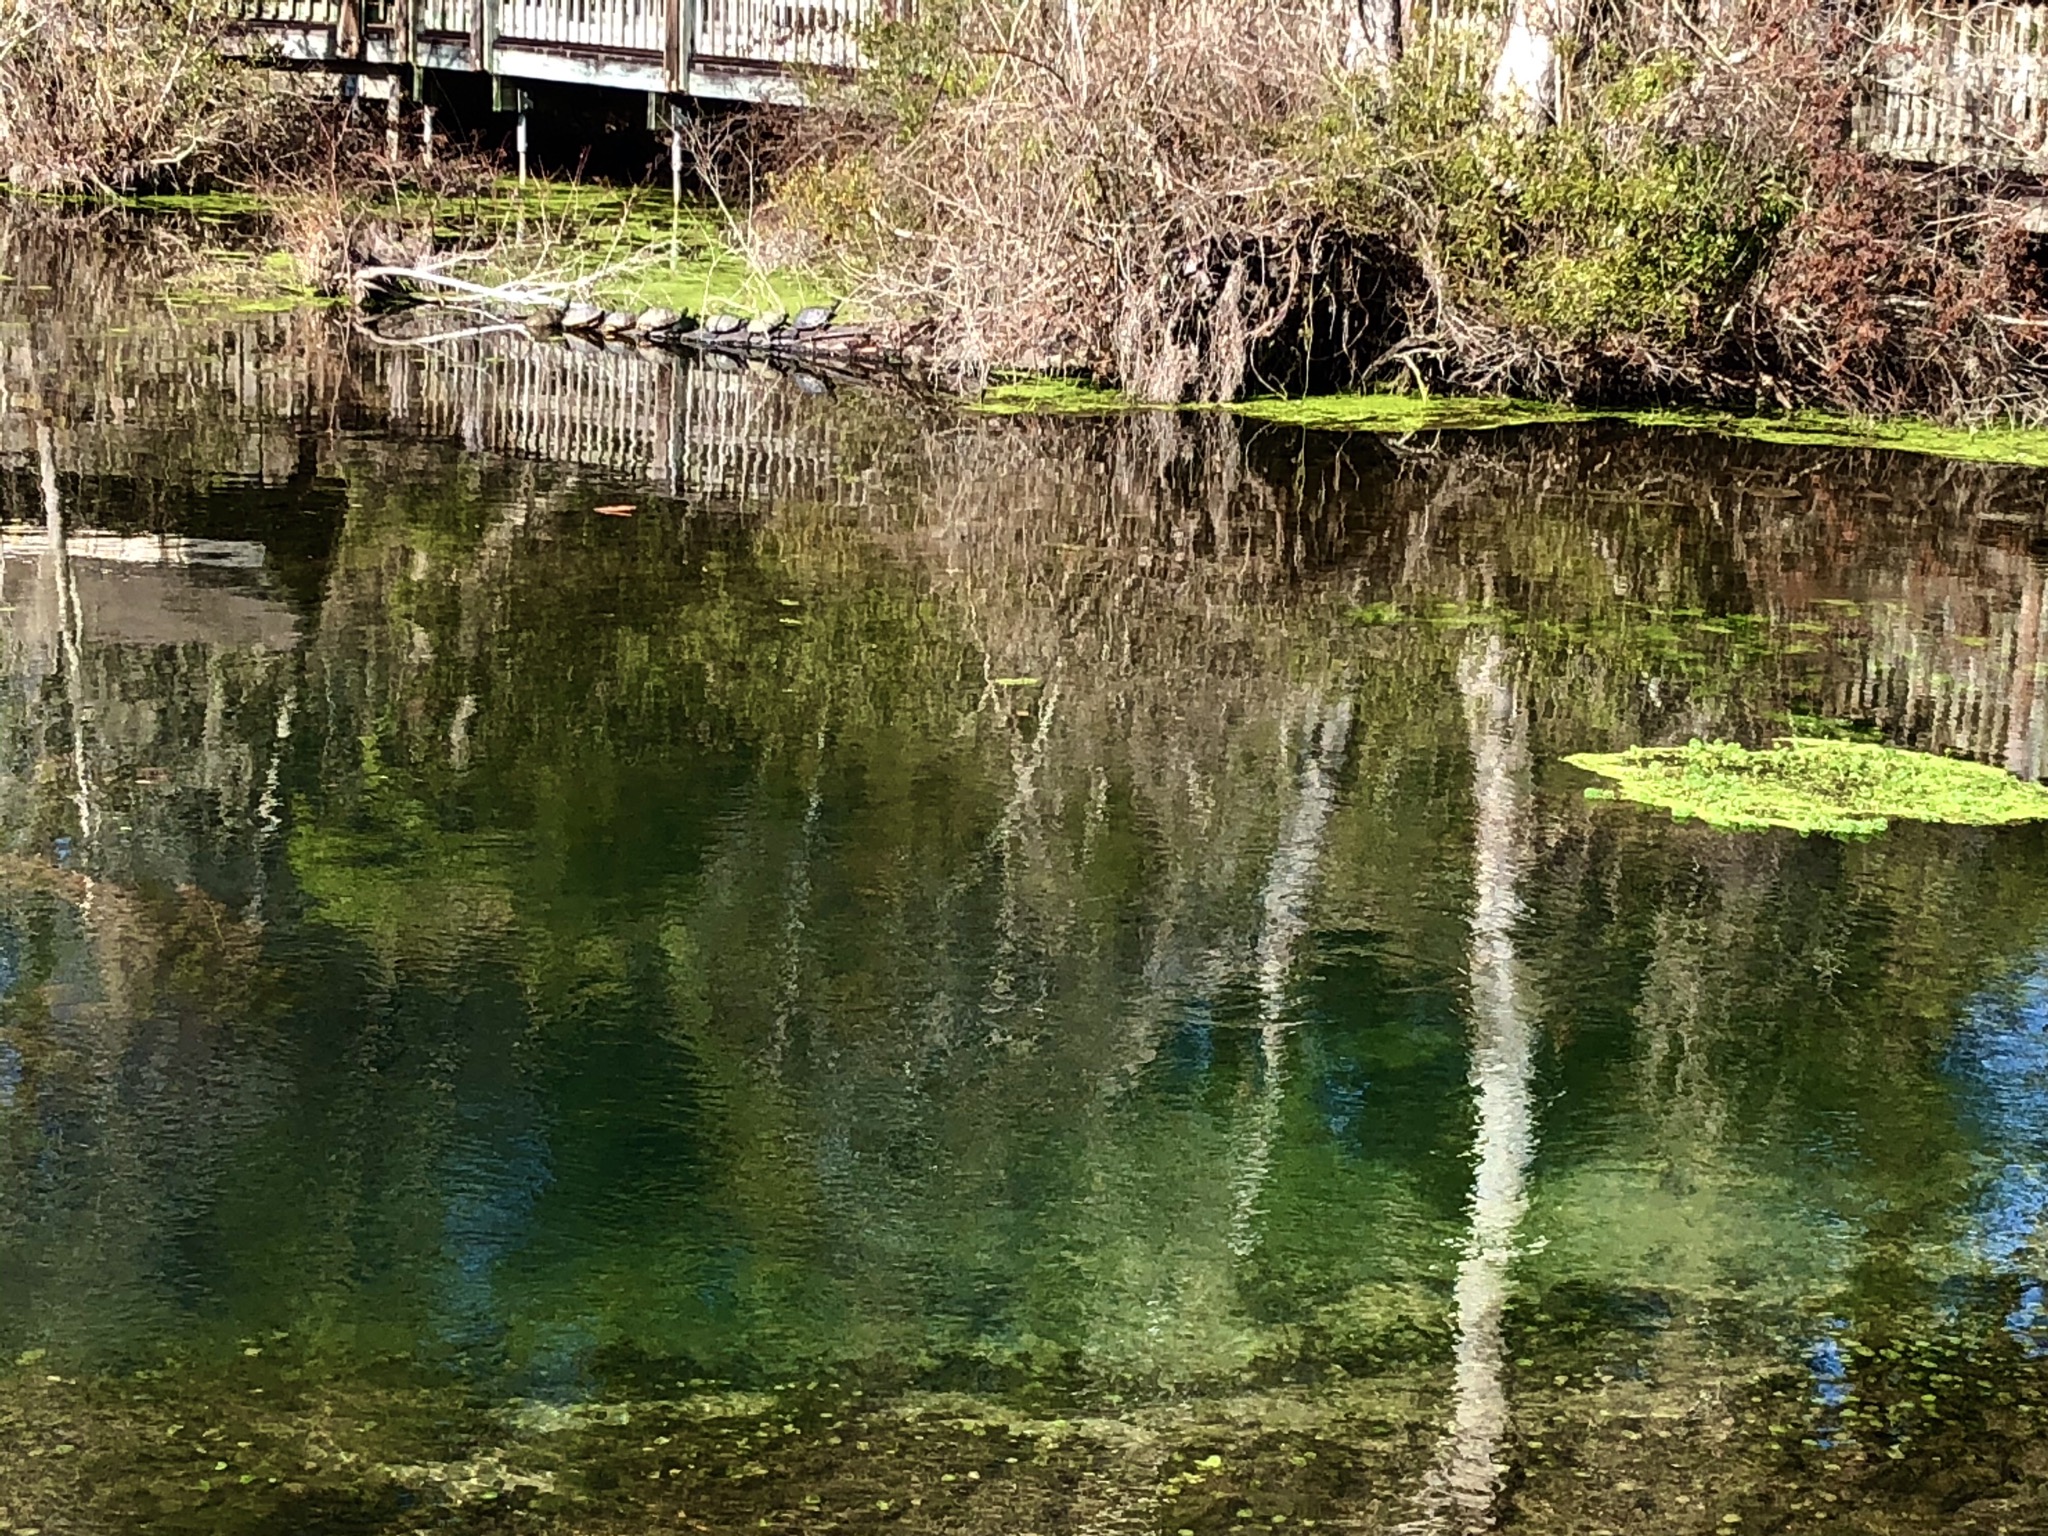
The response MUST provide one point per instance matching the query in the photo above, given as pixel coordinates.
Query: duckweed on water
(1846, 788)
(2027, 446)
(626, 247)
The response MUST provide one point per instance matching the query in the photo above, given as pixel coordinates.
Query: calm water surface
(980, 975)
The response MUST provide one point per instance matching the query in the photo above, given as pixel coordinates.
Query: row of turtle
(668, 325)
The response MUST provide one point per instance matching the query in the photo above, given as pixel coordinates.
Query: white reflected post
(69, 628)
(1462, 1490)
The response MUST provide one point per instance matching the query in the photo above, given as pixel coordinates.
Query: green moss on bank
(1404, 413)
(1043, 396)
(1846, 788)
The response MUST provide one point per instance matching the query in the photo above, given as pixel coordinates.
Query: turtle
(722, 325)
(766, 325)
(582, 317)
(617, 322)
(815, 318)
(653, 320)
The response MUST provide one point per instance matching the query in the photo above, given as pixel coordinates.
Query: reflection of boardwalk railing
(254, 398)
(1953, 668)
(645, 415)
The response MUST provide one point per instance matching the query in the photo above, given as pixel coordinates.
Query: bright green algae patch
(1812, 785)
(2003, 444)
(623, 247)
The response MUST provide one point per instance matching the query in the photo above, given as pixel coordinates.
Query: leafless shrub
(125, 95)
(1196, 200)
(1097, 186)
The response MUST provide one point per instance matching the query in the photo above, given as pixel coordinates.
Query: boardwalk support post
(667, 112)
(508, 98)
(486, 38)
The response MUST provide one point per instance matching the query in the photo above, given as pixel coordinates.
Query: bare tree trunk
(71, 634)
(1529, 72)
(1290, 883)
(1372, 36)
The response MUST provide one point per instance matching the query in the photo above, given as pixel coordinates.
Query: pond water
(594, 946)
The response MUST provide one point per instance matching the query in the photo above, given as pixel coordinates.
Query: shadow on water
(593, 945)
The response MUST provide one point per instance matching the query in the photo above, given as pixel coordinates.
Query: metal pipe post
(675, 155)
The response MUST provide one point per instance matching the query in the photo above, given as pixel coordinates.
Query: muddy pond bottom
(595, 946)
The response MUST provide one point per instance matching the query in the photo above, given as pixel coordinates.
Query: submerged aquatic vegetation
(1848, 788)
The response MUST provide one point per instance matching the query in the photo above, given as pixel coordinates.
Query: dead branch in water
(368, 280)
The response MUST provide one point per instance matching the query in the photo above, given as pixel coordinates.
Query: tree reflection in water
(1056, 925)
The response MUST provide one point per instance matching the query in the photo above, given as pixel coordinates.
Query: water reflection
(2000, 1059)
(1061, 927)
(1469, 1474)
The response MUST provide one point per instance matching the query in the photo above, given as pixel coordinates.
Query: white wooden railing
(598, 41)
(624, 26)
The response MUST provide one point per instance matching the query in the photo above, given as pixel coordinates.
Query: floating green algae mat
(1404, 413)
(629, 247)
(2004, 444)
(1807, 784)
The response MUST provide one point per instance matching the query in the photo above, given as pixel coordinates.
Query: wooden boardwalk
(738, 50)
